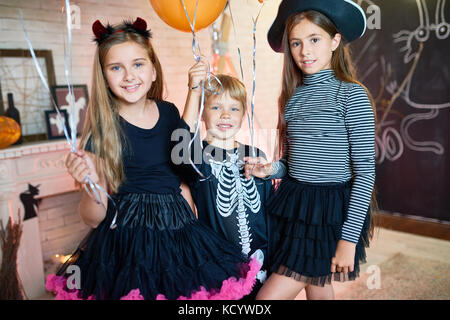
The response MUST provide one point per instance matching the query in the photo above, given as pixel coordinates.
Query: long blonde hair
(341, 64)
(102, 129)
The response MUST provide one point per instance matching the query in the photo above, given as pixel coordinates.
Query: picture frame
(17, 72)
(54, 128)
(62, 99)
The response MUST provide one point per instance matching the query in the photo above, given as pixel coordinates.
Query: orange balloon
(9, 132)
(172, 12)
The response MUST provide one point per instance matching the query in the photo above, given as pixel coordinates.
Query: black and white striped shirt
(330, 138)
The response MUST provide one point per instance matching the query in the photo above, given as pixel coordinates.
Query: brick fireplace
(35, 174)
(60, 227)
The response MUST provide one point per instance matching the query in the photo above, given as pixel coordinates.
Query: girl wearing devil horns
(146, 242)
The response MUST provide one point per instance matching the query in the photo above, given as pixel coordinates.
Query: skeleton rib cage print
(235, 191)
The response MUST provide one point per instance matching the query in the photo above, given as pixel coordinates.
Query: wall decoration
(405, 66)
(9, 131)
(13, 113)
(11, 288)
(2, 108)
(54, 126)
(19, 77)
(30, 204)
(62, 98)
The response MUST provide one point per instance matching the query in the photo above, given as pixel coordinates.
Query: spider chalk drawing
(392, 141)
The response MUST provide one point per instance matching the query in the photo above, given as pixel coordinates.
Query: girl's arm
(186, 193)
(257, 167)
(79, 165)
(360, 124)
(197, 73)
(260, 168)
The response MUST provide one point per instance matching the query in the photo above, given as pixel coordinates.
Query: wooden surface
(413, 226)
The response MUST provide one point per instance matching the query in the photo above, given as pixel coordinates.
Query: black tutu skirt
(307, 220)
(158, 250)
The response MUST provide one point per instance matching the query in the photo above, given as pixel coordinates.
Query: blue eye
(235, 109)
(138, 64)
(115, 68)
(215, 107)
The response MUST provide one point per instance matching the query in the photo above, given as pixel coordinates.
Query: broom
(10, 284)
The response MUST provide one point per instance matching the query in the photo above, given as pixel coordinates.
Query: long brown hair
(292, 77)
(102, 127)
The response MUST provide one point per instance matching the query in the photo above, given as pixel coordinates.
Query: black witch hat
(346, 15)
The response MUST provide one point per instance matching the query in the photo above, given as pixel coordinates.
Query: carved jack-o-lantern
(9, 131)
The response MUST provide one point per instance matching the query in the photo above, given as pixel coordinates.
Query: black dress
(158, 249)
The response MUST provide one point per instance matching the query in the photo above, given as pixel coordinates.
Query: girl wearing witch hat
(321, 224)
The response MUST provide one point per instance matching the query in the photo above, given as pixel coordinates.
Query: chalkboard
(404, 60)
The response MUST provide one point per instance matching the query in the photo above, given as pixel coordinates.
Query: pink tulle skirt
(232, 288)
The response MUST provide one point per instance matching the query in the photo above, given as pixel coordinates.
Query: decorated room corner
(401, 59)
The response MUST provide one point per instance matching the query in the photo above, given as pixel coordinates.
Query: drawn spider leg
(442, 28)
(431, 146)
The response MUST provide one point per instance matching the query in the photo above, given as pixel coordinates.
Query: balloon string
(199, 57)
(195, 44)
(197, 131)
(69, 75)
(251, 122)
(70, 140)
(235, 37)
(252, 117)
(44, 81)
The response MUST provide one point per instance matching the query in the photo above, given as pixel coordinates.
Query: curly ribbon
(44, 81)
(235, 37)
(195, 44)
(249, 118)
(71, 140)
(199, 57)
(251, 121)
(69, 75)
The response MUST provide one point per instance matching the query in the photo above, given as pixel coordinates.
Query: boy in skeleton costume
(226, 201)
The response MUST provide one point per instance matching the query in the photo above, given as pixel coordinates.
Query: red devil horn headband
(101, 32)
(140, 24)
(98, 29)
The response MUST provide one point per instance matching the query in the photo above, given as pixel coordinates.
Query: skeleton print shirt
(229, 203)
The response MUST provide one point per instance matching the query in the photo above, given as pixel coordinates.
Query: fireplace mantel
(39, 164)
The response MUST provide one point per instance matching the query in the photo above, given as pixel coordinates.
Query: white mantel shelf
(39, 164)
(33, 148)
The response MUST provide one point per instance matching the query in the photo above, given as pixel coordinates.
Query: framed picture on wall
(54, 127)
(19, 77)
(62, 98)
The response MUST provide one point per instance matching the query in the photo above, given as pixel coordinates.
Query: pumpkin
(9, 131)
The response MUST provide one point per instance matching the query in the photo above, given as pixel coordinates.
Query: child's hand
(344, 258)
(257, 167)
(197, 73)
(79, 165)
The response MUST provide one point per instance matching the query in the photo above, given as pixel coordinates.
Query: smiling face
(223, 118)
(312, 47)
(129, 72)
